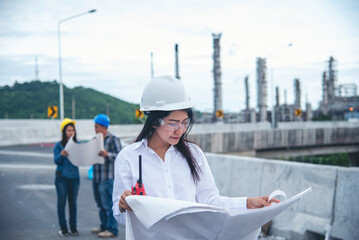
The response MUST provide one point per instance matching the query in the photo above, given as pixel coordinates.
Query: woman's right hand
(259, 202)
(122, 203)
(64, 153)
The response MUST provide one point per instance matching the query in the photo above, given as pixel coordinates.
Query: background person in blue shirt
(67, 180)
(103, 175)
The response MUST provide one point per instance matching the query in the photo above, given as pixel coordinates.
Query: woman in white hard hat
(173, 167)
(67, 180)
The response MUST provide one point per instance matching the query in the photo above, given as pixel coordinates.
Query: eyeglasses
(174, 126)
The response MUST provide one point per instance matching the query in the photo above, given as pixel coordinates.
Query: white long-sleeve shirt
(170, 178)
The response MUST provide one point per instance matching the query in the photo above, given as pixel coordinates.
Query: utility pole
(107, 109)
(176, 62)
(36, 69)
(61, 88)
(73, 107)
(152, 72)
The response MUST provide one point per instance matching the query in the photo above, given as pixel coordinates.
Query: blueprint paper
(160, 218)
(277, 193)
(85, 154)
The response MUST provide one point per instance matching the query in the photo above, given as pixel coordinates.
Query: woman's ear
(155, 124)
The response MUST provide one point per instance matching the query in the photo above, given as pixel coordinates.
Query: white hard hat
(165, 93)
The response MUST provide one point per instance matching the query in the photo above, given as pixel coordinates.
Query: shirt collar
(139, 143)
(144, 142)
(108, 134)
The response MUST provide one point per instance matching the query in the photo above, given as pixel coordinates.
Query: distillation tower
(262, 89)
(217, 77)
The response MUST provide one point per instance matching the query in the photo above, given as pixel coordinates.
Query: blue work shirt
(67, 169)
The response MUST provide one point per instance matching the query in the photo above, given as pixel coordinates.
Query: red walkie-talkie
(139, 189)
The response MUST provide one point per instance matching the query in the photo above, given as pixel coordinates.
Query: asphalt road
(28, 196)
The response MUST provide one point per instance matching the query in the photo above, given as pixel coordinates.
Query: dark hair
(64, 137)
(182, 145)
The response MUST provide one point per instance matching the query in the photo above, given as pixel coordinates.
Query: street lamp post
(274, 120)
(60, 60)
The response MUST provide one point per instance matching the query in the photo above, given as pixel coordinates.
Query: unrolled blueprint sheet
(85, 154)
(163, 219)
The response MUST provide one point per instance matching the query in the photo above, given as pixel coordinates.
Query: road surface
(28, 196)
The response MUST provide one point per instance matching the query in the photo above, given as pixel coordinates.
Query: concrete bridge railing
(332, 204)
(254, 137)
(17, 132)
(215, 138)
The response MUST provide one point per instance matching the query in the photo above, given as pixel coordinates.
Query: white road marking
(30, 154)
(34, 166)
(27, 166)
(37, 187)
(31, 166)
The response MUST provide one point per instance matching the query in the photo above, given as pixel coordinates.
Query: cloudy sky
(109, 50)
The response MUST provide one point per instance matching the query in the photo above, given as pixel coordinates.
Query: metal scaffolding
(347, 90)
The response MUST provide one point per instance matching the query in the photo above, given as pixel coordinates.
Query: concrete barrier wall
(223, 142)
(346, 212)
(212, 137)
(28, 131)
(15, 132)
(333, 201)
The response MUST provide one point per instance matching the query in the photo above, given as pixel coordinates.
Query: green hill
(31, 99)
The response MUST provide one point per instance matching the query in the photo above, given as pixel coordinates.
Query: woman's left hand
(103, 153)
(259, 202)
(64, 153)
(122, 204)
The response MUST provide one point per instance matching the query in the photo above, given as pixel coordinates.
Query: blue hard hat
(102, 119)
